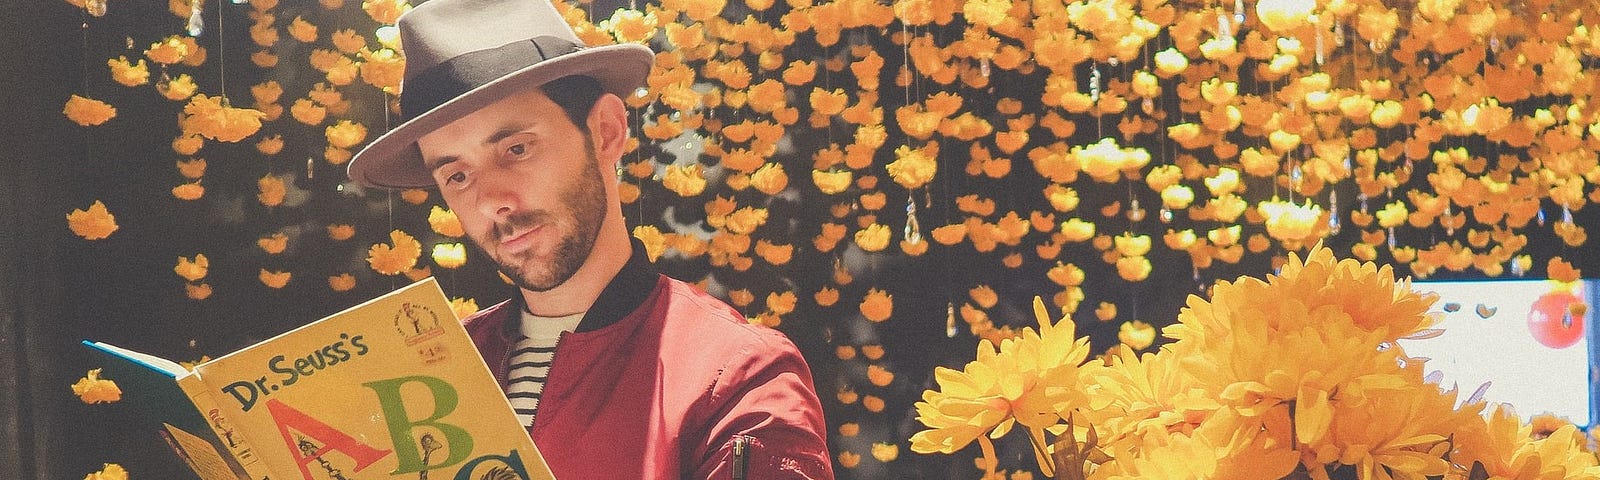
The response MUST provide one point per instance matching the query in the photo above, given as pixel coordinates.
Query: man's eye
(518, 149)
(456, 178)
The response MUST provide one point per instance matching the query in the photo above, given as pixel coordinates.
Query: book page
(199, 454)
(392, 388)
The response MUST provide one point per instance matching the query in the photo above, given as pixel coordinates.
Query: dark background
(57, 289)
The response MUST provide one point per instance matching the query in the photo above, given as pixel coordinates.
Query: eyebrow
(498, 135)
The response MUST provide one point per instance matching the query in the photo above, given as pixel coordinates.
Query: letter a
(332, 439)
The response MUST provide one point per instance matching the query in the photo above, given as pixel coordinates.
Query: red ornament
(1552, 322)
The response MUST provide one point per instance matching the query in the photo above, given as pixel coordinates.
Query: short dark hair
(576, 94)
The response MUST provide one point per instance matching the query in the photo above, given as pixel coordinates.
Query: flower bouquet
(1298, 376)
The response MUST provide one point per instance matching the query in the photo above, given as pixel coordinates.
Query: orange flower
(449, 255)
(414, 196)
(463, 307)
(341, 232)
(178, 88)
(301, 30)
(343, 282)
(109, 471)
(307, 112)
(1561, 271)
(212, 118)
(826, 296)
(189, 191)
(272, 190)
(878, 305)
(397, 257)
(873, 238)
(385, 12)
(274, 280)
(197, 291)
(93, 224)
(914, 168)
(383, 69)
(272, 244)
(88, 112)
(93, 389)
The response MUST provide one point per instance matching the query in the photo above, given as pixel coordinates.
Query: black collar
(625, 293)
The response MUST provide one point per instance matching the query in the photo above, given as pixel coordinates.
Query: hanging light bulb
(1094, 83)
(197, 22)
(95, 8)
(950, 320)
(1540, 217)
(1165, 214)
(913, 230)
(1333, 212)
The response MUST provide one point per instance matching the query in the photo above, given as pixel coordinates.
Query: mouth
(518, 240)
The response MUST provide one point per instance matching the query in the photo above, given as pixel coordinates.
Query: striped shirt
(530, 361)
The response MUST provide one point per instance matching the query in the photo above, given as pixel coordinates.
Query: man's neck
(577, 294)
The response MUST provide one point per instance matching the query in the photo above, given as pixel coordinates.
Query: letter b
(457, 441)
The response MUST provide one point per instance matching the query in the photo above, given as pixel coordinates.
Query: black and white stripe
(530, 367)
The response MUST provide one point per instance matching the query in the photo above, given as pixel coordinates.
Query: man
(616, 370)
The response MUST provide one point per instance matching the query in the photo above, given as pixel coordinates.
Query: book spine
(232, 438)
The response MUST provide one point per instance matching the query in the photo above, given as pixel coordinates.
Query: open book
(391, 388)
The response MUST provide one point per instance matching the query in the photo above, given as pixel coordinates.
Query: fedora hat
(462, 55)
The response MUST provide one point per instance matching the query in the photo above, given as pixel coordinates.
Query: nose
(497, 197)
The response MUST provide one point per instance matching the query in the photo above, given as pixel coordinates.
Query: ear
(608, 128)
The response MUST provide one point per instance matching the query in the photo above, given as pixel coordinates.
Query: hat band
(451, 78)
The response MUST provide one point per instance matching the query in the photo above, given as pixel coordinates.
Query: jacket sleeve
(764, 398)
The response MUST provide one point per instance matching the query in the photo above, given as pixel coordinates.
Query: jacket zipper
(741, 456)
(548, 374)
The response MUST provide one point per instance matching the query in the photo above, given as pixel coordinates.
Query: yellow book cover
(392, 388)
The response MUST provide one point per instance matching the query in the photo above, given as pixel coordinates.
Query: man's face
(526, 185)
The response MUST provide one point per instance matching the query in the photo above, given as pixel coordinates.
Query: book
(391, 388)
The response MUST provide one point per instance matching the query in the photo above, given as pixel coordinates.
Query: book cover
(391, 388)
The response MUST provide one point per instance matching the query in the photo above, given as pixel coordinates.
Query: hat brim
(392, 160)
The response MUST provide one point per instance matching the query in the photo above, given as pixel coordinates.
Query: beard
(579, 217)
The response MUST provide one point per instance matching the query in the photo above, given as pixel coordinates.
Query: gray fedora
(462, 55)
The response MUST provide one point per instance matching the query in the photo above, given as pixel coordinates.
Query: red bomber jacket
(662, 381)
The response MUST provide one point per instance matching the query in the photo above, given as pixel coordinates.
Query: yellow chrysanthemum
(96, 223)
(93, 389)
(396, 257)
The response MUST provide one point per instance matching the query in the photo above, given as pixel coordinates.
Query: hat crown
(439, 30)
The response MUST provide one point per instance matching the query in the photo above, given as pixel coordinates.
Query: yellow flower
(885, 452)
(1130, 245)
(109, 471)
(192, 269)
(93, 389)
(1028, 379)
(385, 12)
(189, 191)
(1393, 215)
(345, 134)
(301, 30)
(212, 118)
(272, 190)
(684, 181)
(87, 111)
(307, 112)
(770, 178)
(274, 279)
(383, 69)
(397, 257)
(1077, 230)
(463, 307)
(1133, 269)
(914, 168)
(444, 222)
(96, 223)
(873, 238)
(167, 51)
(1136, 334)
(178, 89)
(449, 255)
(129, 74)
(1288, 222)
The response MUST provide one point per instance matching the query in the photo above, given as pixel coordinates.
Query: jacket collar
(625, 293)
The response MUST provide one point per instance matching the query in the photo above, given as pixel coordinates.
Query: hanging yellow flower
(168, 51)
(190, 191)
(109, 471)
(93, 389)
(396, 257)
(1136, 334)
(345, 134)
(179, 88)
(96, 223)
(873, 238)
(192, 269)
(88, 112)
(914, 167)
(341, 232)
(449, 255)
(127, 73)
